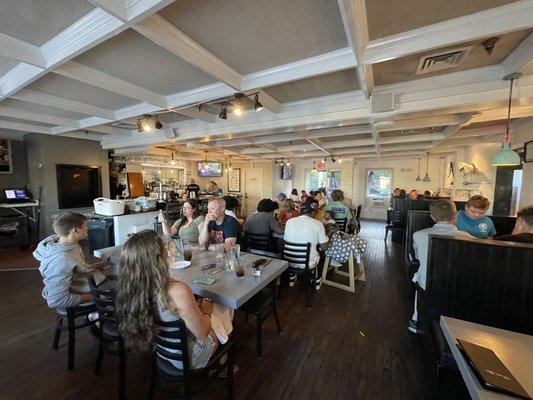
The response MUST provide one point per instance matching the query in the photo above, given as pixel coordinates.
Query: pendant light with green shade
(506, 156)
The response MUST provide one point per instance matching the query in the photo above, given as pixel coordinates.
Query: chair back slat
(341, 223)
(255, 241)
(297, 253)
(172, 335)
(104, 298)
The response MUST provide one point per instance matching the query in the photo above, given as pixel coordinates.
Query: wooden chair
(352, 277)
(262, 305)
(72, 315)
(104, 298)
(342, 223)
(300, 254)
(170, 343)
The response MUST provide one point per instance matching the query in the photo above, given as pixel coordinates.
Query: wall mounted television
(209, 169)
(286, 172)
(77, 185)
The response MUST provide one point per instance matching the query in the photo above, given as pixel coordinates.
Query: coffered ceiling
(335, 77)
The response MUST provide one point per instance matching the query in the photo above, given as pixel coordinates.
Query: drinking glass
(239, 270)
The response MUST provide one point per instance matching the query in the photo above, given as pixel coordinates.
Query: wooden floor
(349, 346)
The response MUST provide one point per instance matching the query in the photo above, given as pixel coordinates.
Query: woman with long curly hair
(146, 294)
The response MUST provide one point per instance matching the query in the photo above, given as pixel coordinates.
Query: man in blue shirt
(473, 219)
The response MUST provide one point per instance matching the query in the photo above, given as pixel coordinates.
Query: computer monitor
(16, 195)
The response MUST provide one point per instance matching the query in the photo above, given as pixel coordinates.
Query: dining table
(227, 289)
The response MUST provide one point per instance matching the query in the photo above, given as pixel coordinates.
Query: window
(315, 179)
(379, 182)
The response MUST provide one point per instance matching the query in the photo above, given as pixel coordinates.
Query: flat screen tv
(286, 172)
(209, 169)
(77, 185)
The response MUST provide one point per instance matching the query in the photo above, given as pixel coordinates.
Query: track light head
(238, 108)
(257, 105)
(223, 112)
(148, 123)
(333, 160)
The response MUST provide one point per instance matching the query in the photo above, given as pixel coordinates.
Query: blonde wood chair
(352, 276)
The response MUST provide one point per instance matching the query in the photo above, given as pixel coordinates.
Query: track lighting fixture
(288, 163)
(223, 111)
(333, 160)
(340, 160)
(238, 108)
(276, 161)
(257, 105)
(314, 167)
(148, 123)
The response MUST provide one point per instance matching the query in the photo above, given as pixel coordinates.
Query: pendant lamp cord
(507, 137)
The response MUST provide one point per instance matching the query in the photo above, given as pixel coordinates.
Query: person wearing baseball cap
(305, 229)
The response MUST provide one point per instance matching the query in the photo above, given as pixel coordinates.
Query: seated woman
(294, 195)
(189, 227)
(288, 211)
(147, 294)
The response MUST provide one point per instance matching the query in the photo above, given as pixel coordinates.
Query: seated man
(263, 222)
(413, 194)
(220, 230)
(523, 229)
(473, 219)
(62, 263)
(443, 212)
(306, 229)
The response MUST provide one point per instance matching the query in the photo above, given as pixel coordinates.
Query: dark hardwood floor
(349, 346)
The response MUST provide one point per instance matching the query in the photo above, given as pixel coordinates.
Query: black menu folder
(490, 371)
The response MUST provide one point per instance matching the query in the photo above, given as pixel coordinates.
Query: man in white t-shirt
(306, 229)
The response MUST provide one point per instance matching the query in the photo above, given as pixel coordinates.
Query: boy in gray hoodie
(62, 264)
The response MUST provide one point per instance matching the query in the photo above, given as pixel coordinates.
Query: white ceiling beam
(414, 146)
(339, 131)
(90, 76)
(25, 127)
(87, 32)
(166, 35)
(117, 8)
(280, 137)
(45, 99)
(417, 123)
(491, 22)
(18, 113)
(111, 130)
(520, 57)
(375, 138)
(355, 23)
(350, 107)
(412, 138)
(17, 49)
(269, 102)
(480, 132)
(196, 114)
(326, 63)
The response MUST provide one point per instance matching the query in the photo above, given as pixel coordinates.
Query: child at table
(147, 293)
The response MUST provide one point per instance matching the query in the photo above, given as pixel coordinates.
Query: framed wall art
(234, 180)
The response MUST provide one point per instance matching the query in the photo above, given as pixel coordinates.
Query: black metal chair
(395, 223)
(71, 314)
(342, 223)
(299, 254)
(259, 244)
(170, 343)
(110, 339)
(261, 305)
(358, 218)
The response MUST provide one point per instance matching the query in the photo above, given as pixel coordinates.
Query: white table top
(515, 350)
(228, 289)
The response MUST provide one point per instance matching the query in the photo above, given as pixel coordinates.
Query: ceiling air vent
(443, 60)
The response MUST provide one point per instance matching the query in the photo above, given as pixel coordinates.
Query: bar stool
(352, 277)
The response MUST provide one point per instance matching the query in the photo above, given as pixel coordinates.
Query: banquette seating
(482, 281)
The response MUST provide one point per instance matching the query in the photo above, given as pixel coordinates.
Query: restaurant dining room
(283, 199)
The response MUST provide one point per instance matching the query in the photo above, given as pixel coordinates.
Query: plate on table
(180, 264)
